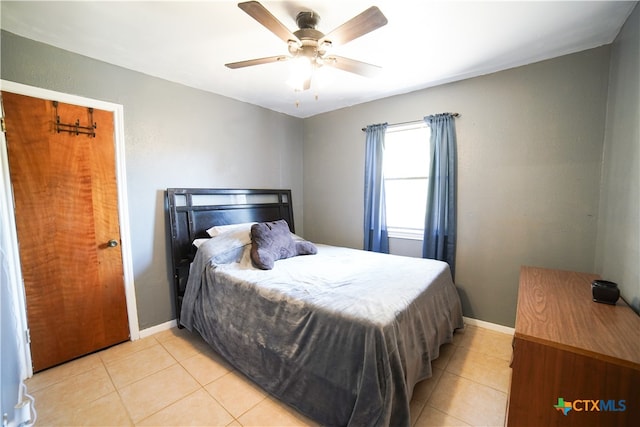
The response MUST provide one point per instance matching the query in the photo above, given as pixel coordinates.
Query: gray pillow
(271, 241)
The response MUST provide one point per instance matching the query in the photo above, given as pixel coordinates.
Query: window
(406, 172)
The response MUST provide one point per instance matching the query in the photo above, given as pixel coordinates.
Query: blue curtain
(376, 237)
(440, 221)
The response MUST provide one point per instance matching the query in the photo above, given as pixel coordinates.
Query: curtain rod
(412, 122)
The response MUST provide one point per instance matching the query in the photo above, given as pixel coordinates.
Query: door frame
(17, 287)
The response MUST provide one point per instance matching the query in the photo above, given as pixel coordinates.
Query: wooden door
(66, 208)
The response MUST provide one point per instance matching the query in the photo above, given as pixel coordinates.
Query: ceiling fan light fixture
(323, 77)
(301, 70)
(294, 45)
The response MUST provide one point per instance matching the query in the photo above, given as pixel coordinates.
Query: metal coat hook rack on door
(75, 128)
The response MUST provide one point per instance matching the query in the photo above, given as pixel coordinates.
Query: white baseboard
(158, 328)
(489, 325)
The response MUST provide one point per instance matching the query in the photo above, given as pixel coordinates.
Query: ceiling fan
(309, 46)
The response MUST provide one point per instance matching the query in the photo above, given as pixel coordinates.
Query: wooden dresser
(569, 350)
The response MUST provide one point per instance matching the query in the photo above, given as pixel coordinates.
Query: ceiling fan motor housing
(307, 19)
(308, 36)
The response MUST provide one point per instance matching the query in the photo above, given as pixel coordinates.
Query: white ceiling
(425, 43)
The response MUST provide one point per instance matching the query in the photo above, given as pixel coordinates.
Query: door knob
(112, 243)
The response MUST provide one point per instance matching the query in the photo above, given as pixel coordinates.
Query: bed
(342, 335)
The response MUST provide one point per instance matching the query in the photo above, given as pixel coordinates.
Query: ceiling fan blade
(369, 20)
(263, 16)
(352, 66)
(258, 61)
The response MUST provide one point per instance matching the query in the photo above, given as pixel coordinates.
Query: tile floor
(173, 378)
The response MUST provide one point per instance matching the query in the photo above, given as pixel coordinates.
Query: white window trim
(405, 233)
(407, 126)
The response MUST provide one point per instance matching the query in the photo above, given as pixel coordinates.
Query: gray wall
(530, 143)
(530, 155)
(618, 254)
(175, 136)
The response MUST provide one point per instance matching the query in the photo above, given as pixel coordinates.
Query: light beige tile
(54, 418)
(60, 373)
(482, 368)
(167, 334)
(446, 351)
(461, 335)
(120, 351)
(196, 409)
(501, 345)
(422, 391)
(157, 391)
(82, 393)
(473, 403)
(486, 341)
(206, 367)
(431, 417)
(270, 412)
(415, 409)
(58, 401)
(184, 347)
(236, 393)
(140, 364)
(174, 333)
(106, 411)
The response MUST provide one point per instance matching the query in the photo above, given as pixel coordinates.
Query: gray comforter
(343, 336)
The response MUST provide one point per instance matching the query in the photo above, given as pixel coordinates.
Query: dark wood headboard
(191, 211)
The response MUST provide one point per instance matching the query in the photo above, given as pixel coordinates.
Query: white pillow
(219, 229)
(226, 247)
(198, 242)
